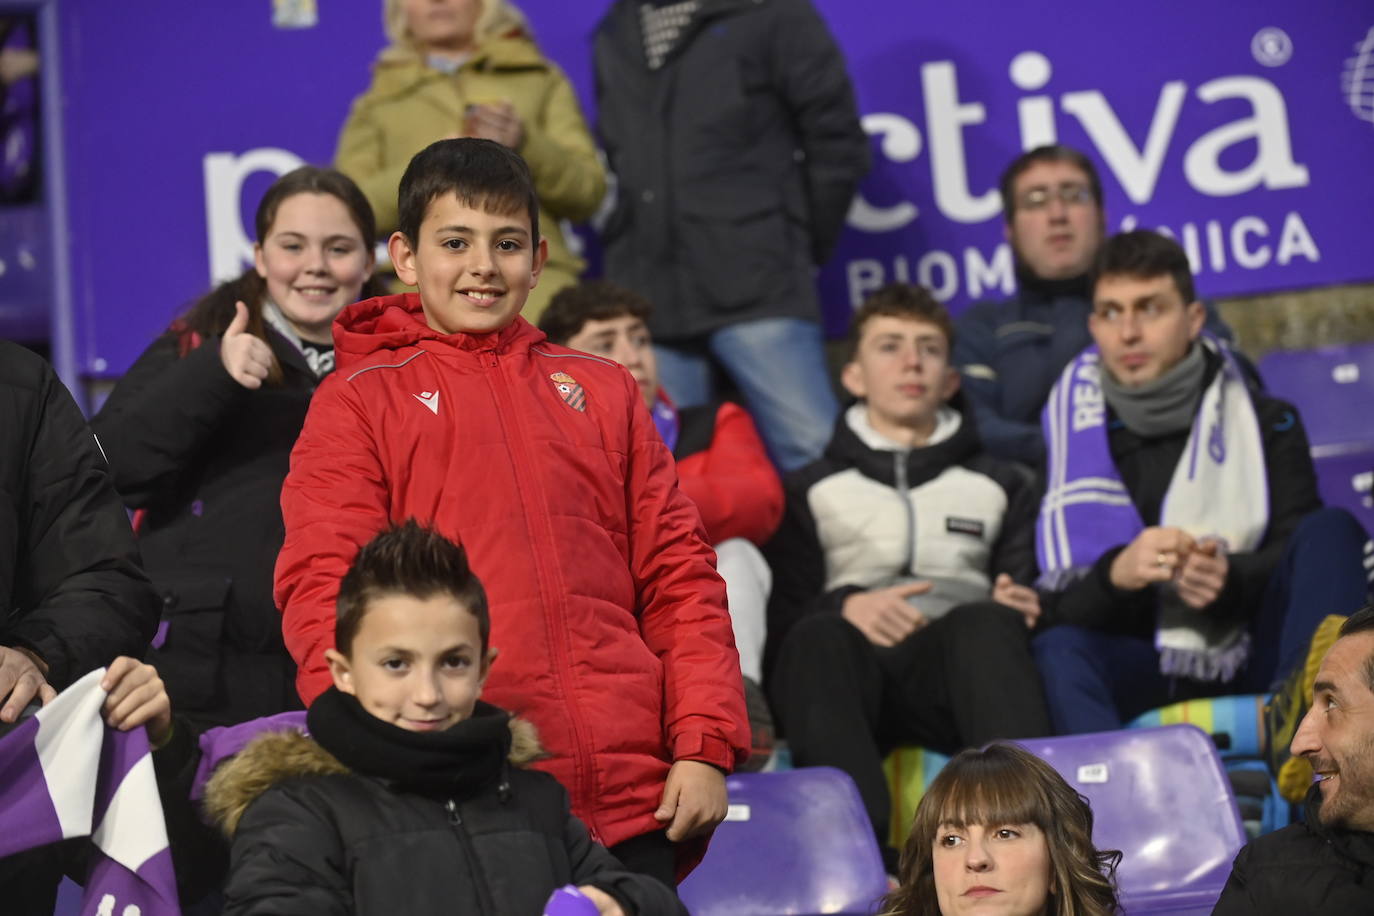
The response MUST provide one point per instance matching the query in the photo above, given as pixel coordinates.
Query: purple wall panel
(1246, 130)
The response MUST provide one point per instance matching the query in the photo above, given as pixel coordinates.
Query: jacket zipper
(555, 633)
(455, 821)
(899, 476)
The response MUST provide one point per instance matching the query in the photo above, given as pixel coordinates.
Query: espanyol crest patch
(570, 391)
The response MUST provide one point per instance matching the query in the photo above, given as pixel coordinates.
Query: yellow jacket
(410, 105)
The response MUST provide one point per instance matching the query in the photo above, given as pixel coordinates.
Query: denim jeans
(779, 366)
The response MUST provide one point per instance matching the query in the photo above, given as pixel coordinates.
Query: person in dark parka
(71, 586)
(732, 129)
(73, 594)
(1325, 864)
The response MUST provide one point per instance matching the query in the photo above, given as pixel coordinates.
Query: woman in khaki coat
(470, 68)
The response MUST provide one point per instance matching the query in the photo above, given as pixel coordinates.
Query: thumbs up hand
(246, 357)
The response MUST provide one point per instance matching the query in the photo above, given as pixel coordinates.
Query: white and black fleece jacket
(869, 515)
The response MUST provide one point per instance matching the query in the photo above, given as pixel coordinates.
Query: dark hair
(1055, 152)
(212, 313)
(482, 174)
(1144, 254)
(1362, 621)
(1004, 784)
(407, 559)
(900, 300)
(595, 300)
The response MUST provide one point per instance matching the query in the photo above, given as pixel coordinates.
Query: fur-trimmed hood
(278, 756)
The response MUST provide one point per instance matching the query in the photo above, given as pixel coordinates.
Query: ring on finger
(1162, 559)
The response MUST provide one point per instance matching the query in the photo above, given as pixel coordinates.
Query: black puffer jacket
(71, 589)
(204, 458)
(736, 160)
(311, 836)
(1303, 868)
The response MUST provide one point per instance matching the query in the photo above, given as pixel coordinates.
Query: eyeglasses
(1068, 194)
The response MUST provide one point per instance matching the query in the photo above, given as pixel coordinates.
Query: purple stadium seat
(1161, 796)
(1332, 387)
(794, 842)
(1344, 476)
(68, 899)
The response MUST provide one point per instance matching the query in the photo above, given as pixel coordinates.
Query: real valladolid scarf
(1218, 490)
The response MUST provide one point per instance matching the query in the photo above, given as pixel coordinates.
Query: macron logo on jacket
(430, 399)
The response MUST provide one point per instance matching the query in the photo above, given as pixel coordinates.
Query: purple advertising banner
(1245, 130)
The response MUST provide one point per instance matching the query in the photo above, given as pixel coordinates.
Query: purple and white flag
(64, 773)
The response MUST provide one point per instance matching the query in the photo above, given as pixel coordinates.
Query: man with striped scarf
(1181, 542)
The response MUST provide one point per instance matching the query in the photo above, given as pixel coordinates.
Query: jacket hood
(388, 323)
(275, 757)
(922, 464)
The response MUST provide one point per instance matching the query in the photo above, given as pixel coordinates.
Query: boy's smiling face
(416, 663)
(474, 267)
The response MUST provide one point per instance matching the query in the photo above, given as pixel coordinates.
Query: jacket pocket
(189, 657)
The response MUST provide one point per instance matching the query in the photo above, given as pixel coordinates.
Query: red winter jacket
(544, 464)
(723, 466)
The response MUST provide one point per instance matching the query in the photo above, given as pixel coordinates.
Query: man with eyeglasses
(1010, 353)
(1182, 546)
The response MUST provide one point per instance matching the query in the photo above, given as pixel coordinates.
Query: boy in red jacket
(722, 466)
(545, 465)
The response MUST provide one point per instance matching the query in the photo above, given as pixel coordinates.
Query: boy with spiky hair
(409, 789)
(545, 465)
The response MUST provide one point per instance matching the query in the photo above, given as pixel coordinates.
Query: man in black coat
(71, 585)
(1184, 551)
(73, 594)
(1326, 864)
(733, 132)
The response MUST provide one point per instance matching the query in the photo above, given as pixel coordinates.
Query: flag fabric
(64, 773)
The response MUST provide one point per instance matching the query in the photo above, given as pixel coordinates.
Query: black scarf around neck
(459, 761)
